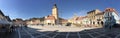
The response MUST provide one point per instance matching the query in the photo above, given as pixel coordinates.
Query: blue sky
(39, 8)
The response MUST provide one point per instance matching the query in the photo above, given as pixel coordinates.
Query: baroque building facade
(96, 17)
(110, 17)
(91, 16)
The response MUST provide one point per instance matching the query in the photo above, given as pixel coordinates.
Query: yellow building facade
(91, 16)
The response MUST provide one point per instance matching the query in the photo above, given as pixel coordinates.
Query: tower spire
(55, 6)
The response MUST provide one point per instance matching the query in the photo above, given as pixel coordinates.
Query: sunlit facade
(111, 17)
(92, 16)
(49, 20)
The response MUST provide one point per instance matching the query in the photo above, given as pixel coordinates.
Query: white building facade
(110, 17)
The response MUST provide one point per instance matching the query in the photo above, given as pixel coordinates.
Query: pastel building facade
(34, 21)
(92, 16)
(111, 17)
(50, 20)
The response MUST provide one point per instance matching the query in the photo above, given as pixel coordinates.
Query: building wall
(116, 17)
(49, 22)
(55, 13)
(111, 18)
(91, 16)
(86, 21)
(34, 22)
(99, 19)
(1, 17)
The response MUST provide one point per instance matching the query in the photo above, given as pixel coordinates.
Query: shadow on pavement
(87, 33)
(9, 35)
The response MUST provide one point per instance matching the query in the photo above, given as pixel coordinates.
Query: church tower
(55, 13)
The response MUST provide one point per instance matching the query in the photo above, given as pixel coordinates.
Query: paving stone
(32, 32)
(63, 33)
(98, 31)
(51, 35)
(23, 33)
(60, 36)
(102, 32)
(73, 33)
(25, 36)
(102, 37)
(43, 32)
(73, 36)
(95, 34)
(112, 35)
(55, 32)
(118, 37)
(85, 36)
(36, 34)
(81, 33)
(43, 37)
(89, 31)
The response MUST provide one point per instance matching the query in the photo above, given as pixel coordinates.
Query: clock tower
(55, 13)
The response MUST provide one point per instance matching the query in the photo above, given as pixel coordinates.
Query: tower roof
(110, 10)
(55, 6)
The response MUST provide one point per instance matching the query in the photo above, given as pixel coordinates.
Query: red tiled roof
(50, 17)
(81, 17)
(111, 10)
